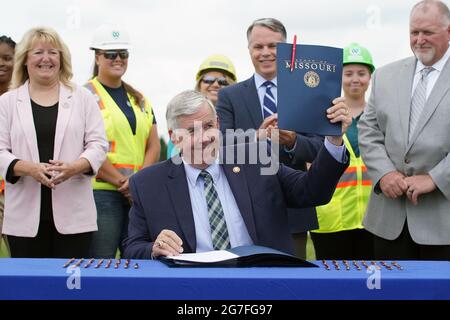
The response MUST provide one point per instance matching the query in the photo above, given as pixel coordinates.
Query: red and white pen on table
(294, 47)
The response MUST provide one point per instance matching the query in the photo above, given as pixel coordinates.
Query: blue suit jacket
(238, 107)
(161, 201)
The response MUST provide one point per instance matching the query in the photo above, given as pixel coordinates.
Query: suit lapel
(239, 187)
(251, 99)
(179, 194)
(65, 108)
(439, 90)
(405, 79)
(26, 119)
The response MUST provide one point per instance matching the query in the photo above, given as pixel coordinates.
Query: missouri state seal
(311, 79)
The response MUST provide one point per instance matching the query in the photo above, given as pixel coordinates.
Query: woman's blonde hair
(47, 35)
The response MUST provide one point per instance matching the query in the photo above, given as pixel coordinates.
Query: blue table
(47, 279)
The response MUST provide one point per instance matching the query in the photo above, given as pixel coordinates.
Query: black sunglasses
(222, 81)
(112, 55)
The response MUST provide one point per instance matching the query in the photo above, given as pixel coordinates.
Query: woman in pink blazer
(52, 142)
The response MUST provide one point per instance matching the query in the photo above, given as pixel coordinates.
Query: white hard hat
(110, 37)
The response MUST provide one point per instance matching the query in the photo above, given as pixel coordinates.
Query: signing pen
(68, 263)
(294, 48)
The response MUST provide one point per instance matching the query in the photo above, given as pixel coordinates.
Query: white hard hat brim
(111, 46)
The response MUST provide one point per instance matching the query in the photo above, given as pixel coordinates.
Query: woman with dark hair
(7, 46)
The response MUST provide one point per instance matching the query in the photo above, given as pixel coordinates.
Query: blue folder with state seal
(242, 256)
(305, 93)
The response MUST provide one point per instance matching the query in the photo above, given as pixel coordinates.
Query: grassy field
(3, 251)
(310, 253)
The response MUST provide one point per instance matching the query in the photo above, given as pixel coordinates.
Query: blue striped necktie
(269, 103)
(219, 231)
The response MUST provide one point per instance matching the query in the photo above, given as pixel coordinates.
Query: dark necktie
(219, 231)
(269, 104)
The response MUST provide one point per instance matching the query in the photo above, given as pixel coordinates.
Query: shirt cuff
(291, 151)
(338, 152)
(10, 177)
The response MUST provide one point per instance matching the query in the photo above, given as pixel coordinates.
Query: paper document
(243, 256)
(209, 256)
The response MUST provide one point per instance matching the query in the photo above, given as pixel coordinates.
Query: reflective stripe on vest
(126, 169)
(111, 146)
(346, 209)
(90, 86)
(349, 178)
(126, 151)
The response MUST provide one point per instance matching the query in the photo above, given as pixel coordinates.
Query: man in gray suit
(404, 141)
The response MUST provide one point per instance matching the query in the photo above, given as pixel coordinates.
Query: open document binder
(244, 256)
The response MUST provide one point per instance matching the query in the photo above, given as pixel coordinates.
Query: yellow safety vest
(126, 151)
(346, 209)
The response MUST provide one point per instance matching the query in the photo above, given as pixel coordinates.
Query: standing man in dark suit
(193, 203)
(248, 105)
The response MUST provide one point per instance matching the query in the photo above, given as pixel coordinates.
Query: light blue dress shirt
(237, 229)
(259, 81)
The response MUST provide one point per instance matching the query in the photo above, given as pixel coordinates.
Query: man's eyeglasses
(222, 81)
(112, 55)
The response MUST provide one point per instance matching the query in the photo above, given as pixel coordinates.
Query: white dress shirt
(432, 76)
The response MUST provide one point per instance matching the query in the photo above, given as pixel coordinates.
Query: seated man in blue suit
(193, 203)
(252, 104)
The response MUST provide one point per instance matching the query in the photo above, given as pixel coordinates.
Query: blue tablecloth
(47, 279)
